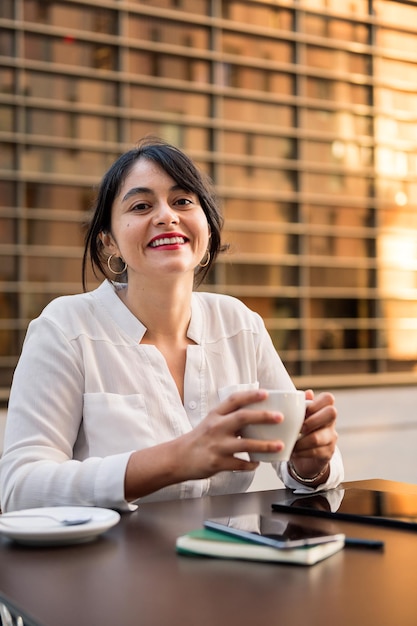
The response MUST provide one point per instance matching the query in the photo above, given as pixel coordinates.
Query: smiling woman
(140, 388)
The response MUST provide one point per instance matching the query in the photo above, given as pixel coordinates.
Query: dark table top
(132, 575)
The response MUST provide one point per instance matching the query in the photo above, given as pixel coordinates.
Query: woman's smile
(168, 241)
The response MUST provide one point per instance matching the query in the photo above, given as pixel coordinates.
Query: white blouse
(86, 394)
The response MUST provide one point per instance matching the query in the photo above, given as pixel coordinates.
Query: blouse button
(192, 404)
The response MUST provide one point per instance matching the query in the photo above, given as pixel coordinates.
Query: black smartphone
(271, 531)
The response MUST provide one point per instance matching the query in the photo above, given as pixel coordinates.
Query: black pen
(370, 544)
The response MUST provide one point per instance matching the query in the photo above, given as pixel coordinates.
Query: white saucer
(48, 532)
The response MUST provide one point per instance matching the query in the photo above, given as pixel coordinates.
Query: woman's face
(156, 227)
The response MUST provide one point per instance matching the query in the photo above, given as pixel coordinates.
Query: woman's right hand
(207, 449)
(212, 445)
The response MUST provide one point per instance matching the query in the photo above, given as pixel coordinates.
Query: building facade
(302, 111)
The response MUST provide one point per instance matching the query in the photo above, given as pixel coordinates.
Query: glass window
(49, 123)
(255, 112)
(405, 72)
(7, 156)
(243, 77)
(71, 125)
(9, 265)
(6, 42)
(6, 9)
(331, 216)
(62, 197)
(345, 153)
(398, 217)
(53, 269)
(9, 345)
(169, 101)
(8, 308)
(315, 163)
(257, 47)
(201, 7)
(7, 118)
(339, 335)
(254, 144)
(342, 363)
(257, 178)
(287, 342)
(155, 29)
(70, 89)
(320, 88)
(340, 277)
(394, 162)
(406, 42)
(187, 137)
(340, 30)
(96, 20)
(395, 13)
(37, 159)
(337, 184)
(90, 91)
(260, 211)
(345, 124)
(267, 275)
(322, 57)
(68, 51)
(7, 193)
(339, 247)
(54, 233)
(143, 63)
(7, 80)
(355, 8)
(7, 230)
(274, 244)
(401, 331)
(338, 91)
(265, 14)
(338, 60)
(96, 128)
(395, 100)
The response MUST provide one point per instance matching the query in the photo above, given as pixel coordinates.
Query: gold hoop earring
(208, 260)
(110, 267)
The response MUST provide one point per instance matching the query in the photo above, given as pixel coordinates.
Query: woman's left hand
(313, 451)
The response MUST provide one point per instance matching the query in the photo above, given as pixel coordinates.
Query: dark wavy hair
(182, 170)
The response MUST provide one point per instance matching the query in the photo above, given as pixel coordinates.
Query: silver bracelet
(302, 479)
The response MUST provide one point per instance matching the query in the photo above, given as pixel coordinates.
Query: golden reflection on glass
(303, 113)
(396, 165)
(397, 258)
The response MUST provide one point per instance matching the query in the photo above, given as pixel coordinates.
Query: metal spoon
(70, 521)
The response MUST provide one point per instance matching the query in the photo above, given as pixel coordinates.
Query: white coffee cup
(292, 404)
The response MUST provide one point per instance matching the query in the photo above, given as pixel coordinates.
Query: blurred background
(304, 114)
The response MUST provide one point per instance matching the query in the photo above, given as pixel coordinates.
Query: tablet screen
(364, 505)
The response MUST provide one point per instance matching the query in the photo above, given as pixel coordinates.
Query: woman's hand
(210, 447)
(313, 451)
(207, 449)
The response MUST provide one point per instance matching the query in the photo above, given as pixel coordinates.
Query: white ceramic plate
(44, 531)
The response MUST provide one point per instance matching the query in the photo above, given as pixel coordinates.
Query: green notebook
(205, 542)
